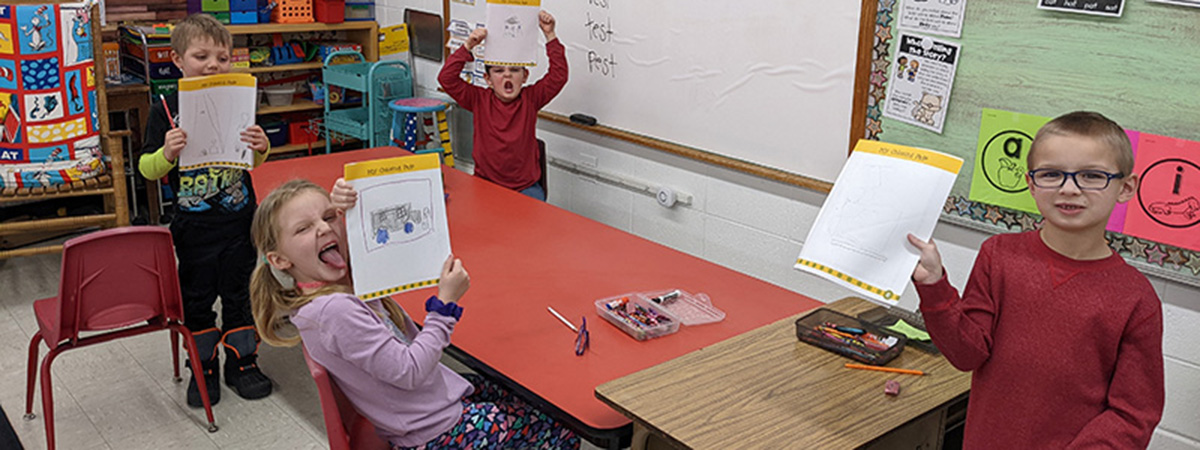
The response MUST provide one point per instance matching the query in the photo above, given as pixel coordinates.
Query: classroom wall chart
(48, 107)
(397, 232)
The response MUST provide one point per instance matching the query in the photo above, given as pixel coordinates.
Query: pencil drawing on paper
(397, 213)
(867, 217)
(216, 133)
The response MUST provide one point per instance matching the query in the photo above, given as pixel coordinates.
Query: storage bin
(849, 337)
(302, 132)
(360, 11)
(222, 17)
(243, 17)
(293, 11)
(214, 6)
(243, 5)
(277, 132)
(329, 11)
(279, 95)
(678, 307)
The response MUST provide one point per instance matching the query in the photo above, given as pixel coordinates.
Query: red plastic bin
(330, 11)
(301, 131)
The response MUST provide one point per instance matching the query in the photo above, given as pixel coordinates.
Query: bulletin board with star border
(1021, 59)
(48, 94)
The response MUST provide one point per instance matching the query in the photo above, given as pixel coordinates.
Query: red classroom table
(524, 255)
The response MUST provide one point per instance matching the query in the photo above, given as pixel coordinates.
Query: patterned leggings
(493, 418)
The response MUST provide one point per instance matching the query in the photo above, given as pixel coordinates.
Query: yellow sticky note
(909, 331)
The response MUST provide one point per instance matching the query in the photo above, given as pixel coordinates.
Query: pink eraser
(892, 387)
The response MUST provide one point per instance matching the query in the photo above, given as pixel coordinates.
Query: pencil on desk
(884, 369)
(563, 319)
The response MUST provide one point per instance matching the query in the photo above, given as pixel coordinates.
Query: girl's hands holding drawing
(929, 268)
(257, 138)
(454, 281)
(476, 38)
(343, 196)
(173, 144)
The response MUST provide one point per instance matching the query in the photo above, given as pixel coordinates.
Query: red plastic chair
(120, 281)
(347, 429)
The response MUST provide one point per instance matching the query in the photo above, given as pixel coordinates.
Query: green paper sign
(1000, 159)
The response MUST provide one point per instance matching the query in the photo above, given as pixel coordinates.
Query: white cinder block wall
(757, 227)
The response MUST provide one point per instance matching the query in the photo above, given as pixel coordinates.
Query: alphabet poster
(513, 30)
(1167, 205)
(1001, 160)
(47, 85)
(397, 232)
(923, 75)
(885, 192)
(214, 110)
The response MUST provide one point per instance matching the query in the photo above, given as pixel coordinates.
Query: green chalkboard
(1141, 69)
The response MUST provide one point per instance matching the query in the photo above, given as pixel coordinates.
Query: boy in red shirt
(506, 149)
(1064, 337)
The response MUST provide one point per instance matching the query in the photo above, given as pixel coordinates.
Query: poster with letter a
(397, 232)
(860, 237)
(214, 110)
(513, 30)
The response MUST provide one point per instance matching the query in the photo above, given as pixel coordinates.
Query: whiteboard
(769, 82)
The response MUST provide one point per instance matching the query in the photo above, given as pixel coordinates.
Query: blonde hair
(1093, 125)
(199, 25)
(271, 302)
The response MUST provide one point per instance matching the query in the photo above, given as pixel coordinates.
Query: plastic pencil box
(849, 337)
(651, 314)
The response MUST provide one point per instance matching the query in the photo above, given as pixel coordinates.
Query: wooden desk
(524, 255)
(766, 389)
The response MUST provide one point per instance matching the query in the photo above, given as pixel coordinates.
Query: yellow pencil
(885, 369)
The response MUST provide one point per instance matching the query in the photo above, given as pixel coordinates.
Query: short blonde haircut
(1093, 125)
(199, 26)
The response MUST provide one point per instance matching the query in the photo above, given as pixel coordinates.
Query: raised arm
(961, 326)
(460, 90)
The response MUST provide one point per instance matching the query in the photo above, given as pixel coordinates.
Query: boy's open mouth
(508, 86)
(330, 255)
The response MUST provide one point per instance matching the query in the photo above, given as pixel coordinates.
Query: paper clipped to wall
(885, 192)
(214, 110)
(513, 29)
(397, 231)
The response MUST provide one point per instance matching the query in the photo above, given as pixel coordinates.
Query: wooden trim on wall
(445, 30)
(862, 71)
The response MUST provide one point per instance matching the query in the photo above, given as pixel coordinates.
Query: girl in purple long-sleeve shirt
(387, 368)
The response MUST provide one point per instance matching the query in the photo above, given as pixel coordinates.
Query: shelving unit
(297, 105)
(380, 82)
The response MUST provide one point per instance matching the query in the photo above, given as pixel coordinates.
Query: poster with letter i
(397, 232)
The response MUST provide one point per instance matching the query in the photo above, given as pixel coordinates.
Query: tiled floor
(119, 395)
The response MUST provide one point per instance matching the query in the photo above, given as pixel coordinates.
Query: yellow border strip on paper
(919, 155)
(390, 166)
(886, 294)
(516, 2)
(225, 79)
(513, 64)
(399, 289)
(225, 164)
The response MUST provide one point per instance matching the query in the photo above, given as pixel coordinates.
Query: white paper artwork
(397, 232)
(214, 110)
(885, 192)
(512, 33)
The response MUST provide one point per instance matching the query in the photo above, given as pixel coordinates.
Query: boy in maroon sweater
(1064, 338)
(506, 149)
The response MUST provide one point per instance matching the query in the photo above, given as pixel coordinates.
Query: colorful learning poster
(1000, 159)
(397, 232)
(944, 17)
(512, 32)
(885, 192)
(922, 75)
(1110, 8)
(393, 42)
(1166, 208)
(214, 110)
(48, 107)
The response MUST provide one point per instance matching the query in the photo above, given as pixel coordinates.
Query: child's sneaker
(241, 367)
(206, 346)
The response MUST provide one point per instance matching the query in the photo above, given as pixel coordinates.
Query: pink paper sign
(1116, 222)
(1166, 208)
